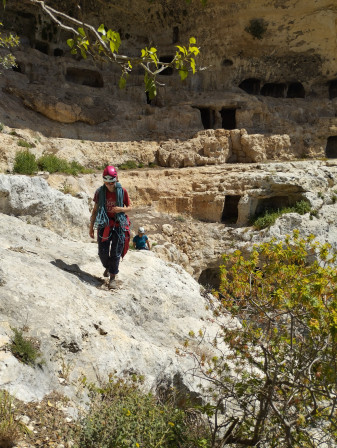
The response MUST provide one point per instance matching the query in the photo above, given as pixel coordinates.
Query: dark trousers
(110, 250)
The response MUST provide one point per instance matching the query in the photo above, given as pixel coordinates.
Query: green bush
(25, 144)
(54, 164)
(129, 165)
(279, 364)
(121, 415)
(270, 216)
(25, 163)
(23, 348)
(257, 28)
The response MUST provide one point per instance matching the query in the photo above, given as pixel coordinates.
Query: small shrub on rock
(257, 28)
(54, 164)
(121, 415)
(25, 163)
(25, 144)
(270, 216)
(130, 165)
(23, 348)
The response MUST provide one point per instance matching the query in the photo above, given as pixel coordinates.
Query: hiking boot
(112, 282)
(106, 273)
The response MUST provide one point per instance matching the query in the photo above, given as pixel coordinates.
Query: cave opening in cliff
(42, 46)
(273, 204)
(227, 63)
(333, 89)
(169, 70)
(296, 90)
(210, 278)
(207, 117)
(331, 148)
(19, 68)
(175, 35)
(230, 211)
(276, 90)
(84, 77)
(58, 52)
(228, 118)
(251, 86)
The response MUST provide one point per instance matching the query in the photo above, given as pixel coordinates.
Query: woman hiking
(112, 224)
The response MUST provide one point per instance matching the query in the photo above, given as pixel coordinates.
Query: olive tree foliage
(103, 44)
(271, 379)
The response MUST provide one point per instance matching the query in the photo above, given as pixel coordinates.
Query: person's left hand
(117, 209)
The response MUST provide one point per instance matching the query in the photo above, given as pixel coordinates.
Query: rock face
(194, 215)
(54, 288)
(271, 71)
(34, 201)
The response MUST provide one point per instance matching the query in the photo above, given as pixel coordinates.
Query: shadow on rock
(76, 270)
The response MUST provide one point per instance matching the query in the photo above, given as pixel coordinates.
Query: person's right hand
(92, 233)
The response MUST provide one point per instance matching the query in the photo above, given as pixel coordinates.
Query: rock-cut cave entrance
(331, 148)
(228, 118)
(296, 90)
(230, 211)
(207, 117)
(84, 77)
(210, 278)
(169, 70)
(333, 89)
(272, 204)
(276, 90)
(251, 86)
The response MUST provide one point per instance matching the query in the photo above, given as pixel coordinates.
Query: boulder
(31, 199)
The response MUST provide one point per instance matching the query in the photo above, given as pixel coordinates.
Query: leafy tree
(272, 377)
(103, 44)
(8, 41)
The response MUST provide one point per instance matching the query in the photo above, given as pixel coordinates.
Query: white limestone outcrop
(53, 288)
(31, 199)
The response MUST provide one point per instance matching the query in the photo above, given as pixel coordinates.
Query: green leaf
(153, 50)
(122, 82)
(182, 49)
(70, 42)
(81, 31)
(193, 65)
(83, 53)
(143, 53)
(154, 58)
(101, 29)
(183, 74)
(193, 40)
(194, 50)
(112, 46)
